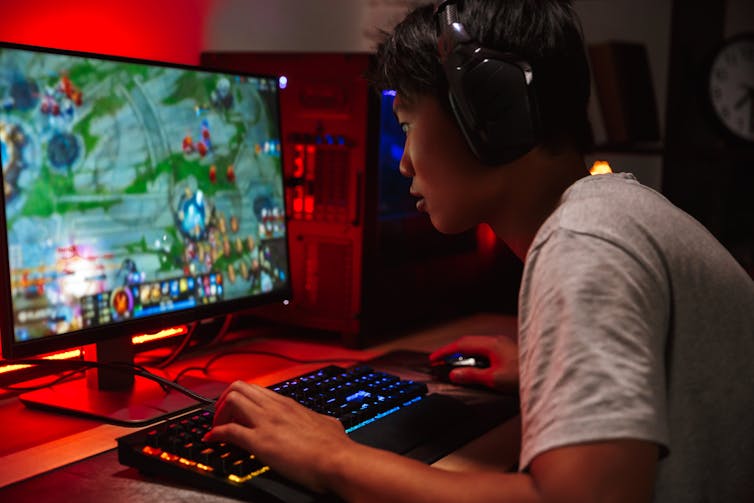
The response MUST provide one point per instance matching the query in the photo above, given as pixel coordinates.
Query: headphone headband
(489, 91)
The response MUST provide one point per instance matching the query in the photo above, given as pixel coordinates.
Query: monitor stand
(115, 397)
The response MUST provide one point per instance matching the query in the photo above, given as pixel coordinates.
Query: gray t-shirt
(634, 322)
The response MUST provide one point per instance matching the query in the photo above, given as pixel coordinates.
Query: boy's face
(448, 180)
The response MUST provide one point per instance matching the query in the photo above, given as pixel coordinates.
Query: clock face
(731, 86)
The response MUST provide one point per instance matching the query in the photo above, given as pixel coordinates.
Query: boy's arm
(314, 450)
(619, 471)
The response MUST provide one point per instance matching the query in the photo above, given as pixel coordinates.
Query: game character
(155, 293)
(188, 145)
(277, 220)
(129, 271)
(120, 302)
(49, 105)
(201, 147)
(67, 110)
(66, 87)
(144, 293)
(204, 125)
(221, 96)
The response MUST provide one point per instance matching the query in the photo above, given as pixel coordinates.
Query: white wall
(301, 25)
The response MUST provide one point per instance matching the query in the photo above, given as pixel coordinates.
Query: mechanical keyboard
(376, 408)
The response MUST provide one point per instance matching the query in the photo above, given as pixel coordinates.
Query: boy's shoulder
(612, 206)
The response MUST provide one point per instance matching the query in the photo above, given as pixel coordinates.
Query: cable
(122, 366)
(223, 330)
(205, 369)
(179, 349)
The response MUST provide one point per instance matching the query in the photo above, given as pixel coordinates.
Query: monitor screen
(136, 195)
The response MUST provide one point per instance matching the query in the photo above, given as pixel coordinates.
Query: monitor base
(144, 404)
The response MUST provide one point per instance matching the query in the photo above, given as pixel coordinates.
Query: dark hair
(545, 33)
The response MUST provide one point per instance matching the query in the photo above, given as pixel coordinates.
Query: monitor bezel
(12, 349)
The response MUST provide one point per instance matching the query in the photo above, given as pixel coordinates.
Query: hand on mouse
(500, 350)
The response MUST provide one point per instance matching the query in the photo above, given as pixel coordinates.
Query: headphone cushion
(490, 98)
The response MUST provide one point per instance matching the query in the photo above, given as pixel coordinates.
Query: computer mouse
(440, 369)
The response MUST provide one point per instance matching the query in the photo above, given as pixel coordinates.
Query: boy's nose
(405, 167)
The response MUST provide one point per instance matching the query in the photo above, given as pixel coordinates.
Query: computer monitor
(137, 195)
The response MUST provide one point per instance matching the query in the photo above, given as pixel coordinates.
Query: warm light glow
(162, 334)
(486, 239)
(66, 355)
(69, 354)
(245, 478)
(12, 368)
(600, 168)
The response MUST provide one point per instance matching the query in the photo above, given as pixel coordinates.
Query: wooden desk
(78, 455)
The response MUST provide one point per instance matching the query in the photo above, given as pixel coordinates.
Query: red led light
(309, 205)
(298, 161)
(298, 205)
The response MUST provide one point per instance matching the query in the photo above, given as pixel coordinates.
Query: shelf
(649, 148)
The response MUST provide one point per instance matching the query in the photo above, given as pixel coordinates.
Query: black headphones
(490, 92)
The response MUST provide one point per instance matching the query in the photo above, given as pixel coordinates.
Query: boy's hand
(293, 440)
(500, 350)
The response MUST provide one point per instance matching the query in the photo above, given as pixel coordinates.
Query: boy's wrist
(335, 466)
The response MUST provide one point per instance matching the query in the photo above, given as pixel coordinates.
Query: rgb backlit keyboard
(360, 397)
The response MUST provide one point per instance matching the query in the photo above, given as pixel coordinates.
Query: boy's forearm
(363, 474)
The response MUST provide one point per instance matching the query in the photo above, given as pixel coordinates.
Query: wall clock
(730, 83)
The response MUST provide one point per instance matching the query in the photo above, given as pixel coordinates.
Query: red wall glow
(164, 30)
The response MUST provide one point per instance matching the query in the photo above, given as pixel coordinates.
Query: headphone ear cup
(492, 104)
(489, 92)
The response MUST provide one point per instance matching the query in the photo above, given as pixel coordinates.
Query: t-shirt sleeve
(593, 322)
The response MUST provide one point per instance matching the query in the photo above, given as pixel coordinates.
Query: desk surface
(58, 450)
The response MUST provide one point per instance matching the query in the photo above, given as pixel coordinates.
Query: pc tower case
(364, 262)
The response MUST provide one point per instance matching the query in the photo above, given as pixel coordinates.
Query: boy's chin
(445, 227)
